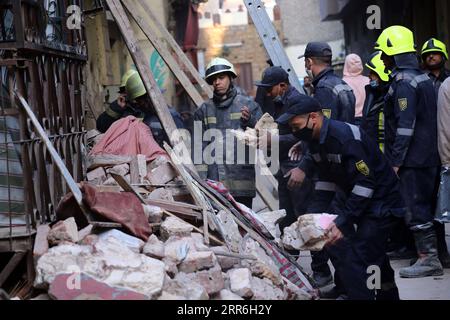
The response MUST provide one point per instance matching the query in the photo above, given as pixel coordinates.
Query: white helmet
(219, 65)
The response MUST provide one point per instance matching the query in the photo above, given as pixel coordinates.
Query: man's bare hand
(295, 152)
(333, 233)
(245, 113)
(121, 101)
(296, 178)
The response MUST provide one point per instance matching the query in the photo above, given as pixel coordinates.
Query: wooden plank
(177, 50)
(134, 171)
(9, 268)
(164, 53)
(105, 160)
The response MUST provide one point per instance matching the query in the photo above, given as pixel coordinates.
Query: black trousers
(357, 256)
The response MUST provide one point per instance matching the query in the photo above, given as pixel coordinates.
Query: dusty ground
(430, 288)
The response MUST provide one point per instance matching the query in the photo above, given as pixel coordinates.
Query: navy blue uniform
(411, 138)
(365, 193)
(335, 96)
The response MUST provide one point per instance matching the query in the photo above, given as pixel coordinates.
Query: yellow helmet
(219, 65)
(135, 87)
(395, 40)
(376, 65)
(125, 77)
(434, 45)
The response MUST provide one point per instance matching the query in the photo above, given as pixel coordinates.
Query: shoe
(322, 279)
(402, 253)
(428, 263)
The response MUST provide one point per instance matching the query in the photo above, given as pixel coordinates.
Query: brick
(241, 282)
(196, 261)
(163, 174)
(66, 230)
(211, 279)
(183, 285)
(175, 227)
(154, 248)
(41, 242)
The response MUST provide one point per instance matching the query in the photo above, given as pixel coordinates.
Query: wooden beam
(164, 53)
(177, 50)
(9, 268)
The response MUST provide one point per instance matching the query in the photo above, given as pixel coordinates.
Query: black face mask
(304, 134)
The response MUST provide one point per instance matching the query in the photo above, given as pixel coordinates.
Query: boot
(428, 263)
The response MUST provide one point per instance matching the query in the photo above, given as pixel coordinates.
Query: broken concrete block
(271, 219)
(225, 263)
(96, 176)
(154, 214)
(162, 174)
(176, 248)
(83, 287)
(89, 240)
(241, 282)
(308, 232)
(154, 248)
(66, 230)
(184, 286)
(293, 292)
(110, 181)
(157, 162)
(231, 230)
(120, 169)
(265, 290)
(168, 296)
(199, 242)
(226, 294)
(196, 261)
(211, 279)
(41, 242)
(161, 194)
(173, 226)
(264, 266)
(133, 243)
(83, 233)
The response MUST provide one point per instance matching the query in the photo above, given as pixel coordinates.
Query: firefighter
(226, 110)
(335, 96)
(136, 102)
(275, 82)
(411, 143)
(350, 162)
(434, 55)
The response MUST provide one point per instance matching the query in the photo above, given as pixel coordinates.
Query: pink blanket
(129, 136)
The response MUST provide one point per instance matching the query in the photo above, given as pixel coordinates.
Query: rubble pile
(112, 254)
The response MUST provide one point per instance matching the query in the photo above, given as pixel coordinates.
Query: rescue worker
(434, 55)
(401, 243)
(275, 81)
(373, 110)
(136, 102)
(346, 159)
(338, 102)
(335, 96)
(226, 110)
(411, 143)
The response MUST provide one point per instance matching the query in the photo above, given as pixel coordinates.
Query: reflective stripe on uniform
(239, 185)
(336, 158)
(201, 167)
(316, 157)
(325, 186)
(110, 112)
(210, 120)
(235, 115)
(341, 87)
(363, 191)
(355, 131)
(405, 132)
(390, 91)
(418, 79)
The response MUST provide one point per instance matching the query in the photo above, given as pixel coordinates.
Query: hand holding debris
(333, 233)
(245, 113)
